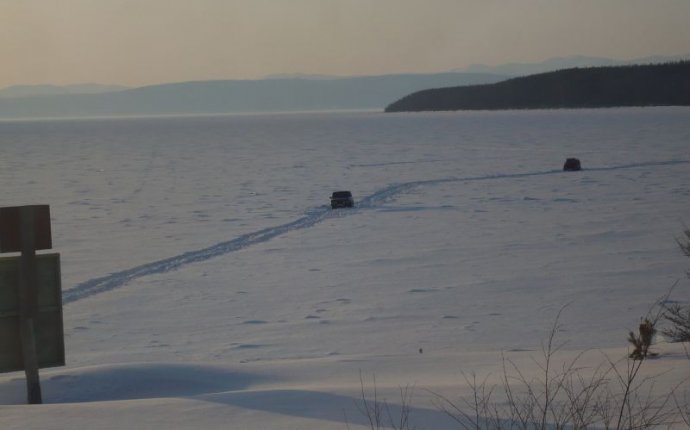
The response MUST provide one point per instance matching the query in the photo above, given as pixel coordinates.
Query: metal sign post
(28, 304)
(26, 229)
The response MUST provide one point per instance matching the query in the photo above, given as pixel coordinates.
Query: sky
(142, 42)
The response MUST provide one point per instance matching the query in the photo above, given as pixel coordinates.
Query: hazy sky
(138, 42)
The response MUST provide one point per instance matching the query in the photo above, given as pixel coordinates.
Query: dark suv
(572, 165)
(342, 199)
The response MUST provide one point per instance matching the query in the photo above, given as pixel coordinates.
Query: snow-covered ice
(207, 284)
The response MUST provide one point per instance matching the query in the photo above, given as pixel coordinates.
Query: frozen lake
(197, 240)
(142, 189)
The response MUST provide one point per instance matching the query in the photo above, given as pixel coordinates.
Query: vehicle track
(115, 280)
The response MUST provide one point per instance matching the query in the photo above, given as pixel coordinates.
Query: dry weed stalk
(674, 313)
(610, 396)
(642, 341)
(379, 414)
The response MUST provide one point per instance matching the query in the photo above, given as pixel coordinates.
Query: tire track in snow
(115, 280)
(389, 192)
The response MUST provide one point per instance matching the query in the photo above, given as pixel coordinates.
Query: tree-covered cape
(640, 85)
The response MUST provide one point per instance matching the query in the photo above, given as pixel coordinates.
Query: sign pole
(28, 305)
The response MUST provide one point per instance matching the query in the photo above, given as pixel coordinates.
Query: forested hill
(641, 85)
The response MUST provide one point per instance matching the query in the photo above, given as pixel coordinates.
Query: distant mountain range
(640, 85)
(52, 90)
(273, 94)
(215, 97)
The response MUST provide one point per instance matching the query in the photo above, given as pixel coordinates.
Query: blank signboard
(50, 345)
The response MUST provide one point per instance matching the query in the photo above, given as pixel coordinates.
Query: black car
(572, 165)
(342, 199)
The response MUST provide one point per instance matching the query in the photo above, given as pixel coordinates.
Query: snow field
(211, 288)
